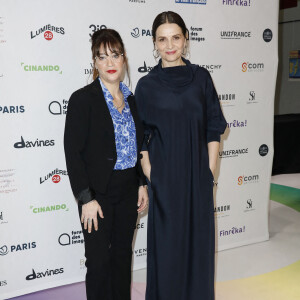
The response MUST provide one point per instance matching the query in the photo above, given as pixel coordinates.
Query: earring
(155, 53)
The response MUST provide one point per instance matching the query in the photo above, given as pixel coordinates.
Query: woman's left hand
(143, 198)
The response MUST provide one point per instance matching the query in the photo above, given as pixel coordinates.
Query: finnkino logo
(191, 1)
(41, 68)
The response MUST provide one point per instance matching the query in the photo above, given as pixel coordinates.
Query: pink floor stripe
(76, 291)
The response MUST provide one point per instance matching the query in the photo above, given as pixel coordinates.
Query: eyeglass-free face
(170, 43)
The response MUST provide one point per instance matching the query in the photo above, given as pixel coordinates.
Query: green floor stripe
(285, 195)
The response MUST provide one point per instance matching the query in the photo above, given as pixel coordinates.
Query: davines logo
(35, 144)
(44, 274)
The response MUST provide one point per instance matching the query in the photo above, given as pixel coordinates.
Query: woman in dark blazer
(103, 139)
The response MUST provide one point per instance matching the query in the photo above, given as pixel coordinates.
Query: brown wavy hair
(109, 39)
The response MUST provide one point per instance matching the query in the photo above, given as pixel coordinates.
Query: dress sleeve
(140, 103)
(216, 123)
(76, 132)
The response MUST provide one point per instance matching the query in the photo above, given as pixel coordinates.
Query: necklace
(117, 107)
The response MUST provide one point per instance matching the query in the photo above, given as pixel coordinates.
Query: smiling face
(110, 65)
(170, 43)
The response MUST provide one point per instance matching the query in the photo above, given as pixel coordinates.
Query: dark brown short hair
(109, 39)
(168, 17)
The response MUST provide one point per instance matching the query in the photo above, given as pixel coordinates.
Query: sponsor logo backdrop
(45, 56)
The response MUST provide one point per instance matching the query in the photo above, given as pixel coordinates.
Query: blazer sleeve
(75, 136)
(140, 103)
(216, 123)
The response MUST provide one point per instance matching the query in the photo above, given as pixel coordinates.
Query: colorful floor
(263, 271)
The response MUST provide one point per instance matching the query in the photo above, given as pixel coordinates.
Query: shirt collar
(123, 87)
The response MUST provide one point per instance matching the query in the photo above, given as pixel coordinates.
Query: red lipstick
(171, 52)
(111, 71)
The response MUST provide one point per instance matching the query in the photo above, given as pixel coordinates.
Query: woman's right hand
(89, 215)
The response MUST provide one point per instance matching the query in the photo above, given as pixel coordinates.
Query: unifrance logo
(252, 67)
(41, 68)
(144, 68)
(47, 273)
(235, 35)
(233, 153)
(96, 28)
(12, 109)
(191, 1)
(56, 207)
(48, 31)
(237, 124)
(242, 180)
(55, 175)
(232, 231)
(15, 248)
(76, 237)
(37, 143)
(267, 35)
(237, 2)
(136, 32)
(58, 108)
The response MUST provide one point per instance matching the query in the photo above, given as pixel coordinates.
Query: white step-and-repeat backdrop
(45, 56)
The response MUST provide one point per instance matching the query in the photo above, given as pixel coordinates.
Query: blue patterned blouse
(125, 134)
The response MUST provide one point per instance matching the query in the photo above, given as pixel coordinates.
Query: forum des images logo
(48, 31)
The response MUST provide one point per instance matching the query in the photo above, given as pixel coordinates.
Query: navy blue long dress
(180, 110)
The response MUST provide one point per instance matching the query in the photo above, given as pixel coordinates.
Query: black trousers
(108, 251)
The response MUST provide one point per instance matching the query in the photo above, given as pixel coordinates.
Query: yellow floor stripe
(282, 284)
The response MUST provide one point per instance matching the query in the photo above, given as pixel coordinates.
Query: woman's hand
(146, 166)
(89, 215)
(143, 198)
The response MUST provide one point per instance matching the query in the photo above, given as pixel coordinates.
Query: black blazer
(89, 142)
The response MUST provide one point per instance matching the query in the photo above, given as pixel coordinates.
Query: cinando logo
(191, 1)
(36, 143)
(41, 68)
(43, 209)
(47, 273)
(3, 250)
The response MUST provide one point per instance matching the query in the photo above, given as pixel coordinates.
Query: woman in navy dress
(183, 121)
